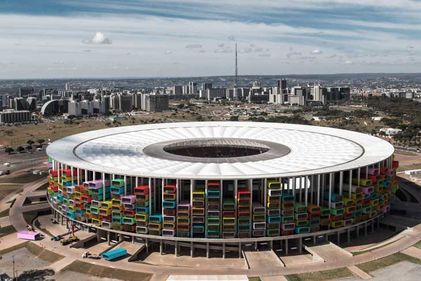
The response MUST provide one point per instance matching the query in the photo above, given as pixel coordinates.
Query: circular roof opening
(216, 148)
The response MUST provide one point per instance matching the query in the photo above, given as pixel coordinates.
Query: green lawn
(418, 245)
(321, 275)
(410, 167)
(386, 261)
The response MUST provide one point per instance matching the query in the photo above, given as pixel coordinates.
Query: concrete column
(300, 189)
(286, 247)
(147, 245)
(318, 190)
(341, 180)
(338, 238)
(300, 245)
(359, 176)
(125, 185)
(161, 247)
(330, 189)
(365, 229)
(311, 188)
(314, 240)
(223, 250)
(103, 186)
(271, 244)
(108, 237)
(176, 249)
(191, 249)
(293, 187)
(350, 184)
(239, 250)
(349, 235)
(207, 250)
(255, 246)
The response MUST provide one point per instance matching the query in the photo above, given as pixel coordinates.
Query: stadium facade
(222, 185)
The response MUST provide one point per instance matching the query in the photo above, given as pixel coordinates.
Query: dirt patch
(42, 253)
(8, 188)
(21, 178)
(108, 272)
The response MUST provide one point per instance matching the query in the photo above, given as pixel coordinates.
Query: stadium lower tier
(216, 208)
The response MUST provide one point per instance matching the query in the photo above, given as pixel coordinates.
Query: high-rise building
(282, 84)
(25, 92)
(192, 89)
(14, 116)
(206, 86)
(177, 90)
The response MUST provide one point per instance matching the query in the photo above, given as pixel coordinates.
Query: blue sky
(150, 38)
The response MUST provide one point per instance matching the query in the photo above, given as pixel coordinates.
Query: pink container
(28, 235)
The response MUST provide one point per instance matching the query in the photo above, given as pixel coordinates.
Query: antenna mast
(236, 67)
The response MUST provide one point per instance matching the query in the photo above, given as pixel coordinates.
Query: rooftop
(223, 150)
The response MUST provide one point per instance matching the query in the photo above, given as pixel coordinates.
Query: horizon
(215, 76)
(185, 38)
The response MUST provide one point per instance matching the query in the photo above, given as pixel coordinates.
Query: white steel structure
(221, 185)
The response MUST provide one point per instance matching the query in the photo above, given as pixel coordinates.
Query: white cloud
(148, 38)
(99, 38)
(316, 52)
(194, 46)
(348, 62)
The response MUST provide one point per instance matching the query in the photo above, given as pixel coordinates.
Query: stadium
(222, 186)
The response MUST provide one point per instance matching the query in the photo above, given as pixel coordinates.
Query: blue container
(142, 210)
(274, 219)
(168, 204)
(155, 218)
(114, 254)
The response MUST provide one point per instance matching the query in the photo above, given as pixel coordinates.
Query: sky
(168, 38)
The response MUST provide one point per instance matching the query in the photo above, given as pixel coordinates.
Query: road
(16, 212)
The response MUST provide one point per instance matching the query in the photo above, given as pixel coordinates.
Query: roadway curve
(16, 211)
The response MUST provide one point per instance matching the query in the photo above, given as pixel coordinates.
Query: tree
(20, 149)
(41, 141)
(30, 142)
(9, 150)
(29, 147)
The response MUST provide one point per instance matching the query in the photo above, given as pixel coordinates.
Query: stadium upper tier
(223, 150)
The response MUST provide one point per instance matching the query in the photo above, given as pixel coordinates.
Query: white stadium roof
(310, 150)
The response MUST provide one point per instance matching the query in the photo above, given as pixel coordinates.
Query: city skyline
(100, 39)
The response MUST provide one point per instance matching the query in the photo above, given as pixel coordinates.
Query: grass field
(418, 245)
(320, 275)
(57, 129)
(107, 272)
(386, 261)
(409, 167)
